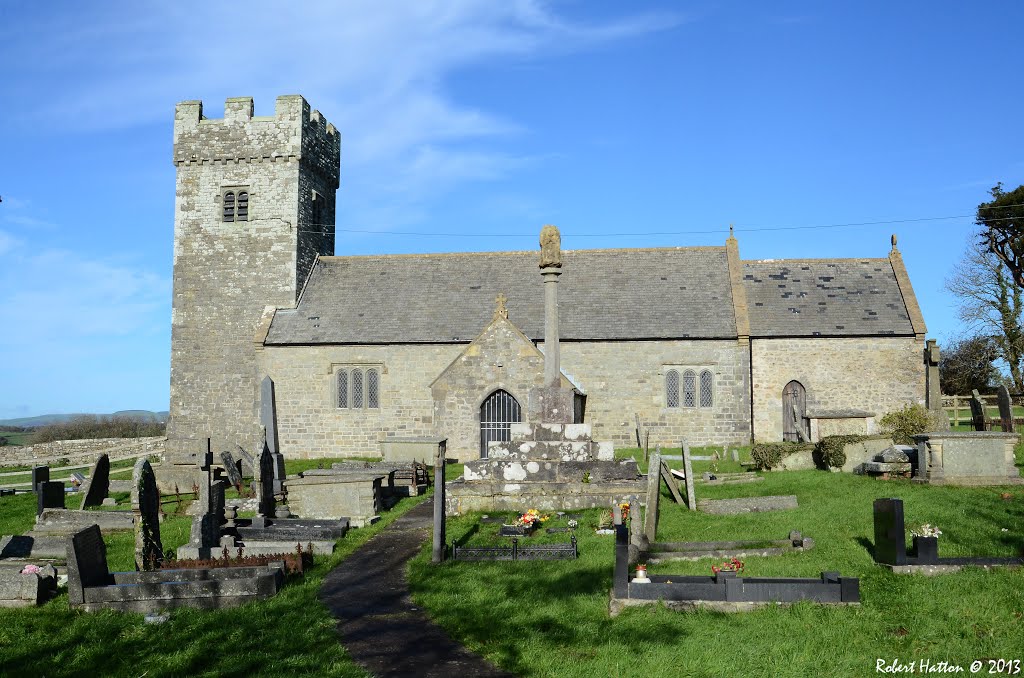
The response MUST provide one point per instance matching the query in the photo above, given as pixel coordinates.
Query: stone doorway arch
(794, 413)
(497, 414)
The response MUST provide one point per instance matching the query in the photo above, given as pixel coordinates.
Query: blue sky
(626, 124)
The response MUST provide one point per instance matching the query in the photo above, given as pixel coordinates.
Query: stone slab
(408, 449)
(747, 504)
(462, 497)
(32, 546)
(335, 497)
(67, 521)
(26, 590)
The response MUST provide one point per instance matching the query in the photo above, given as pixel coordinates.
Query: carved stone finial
(550, 247)
(500, 311)
(731, 234)
(893, 239)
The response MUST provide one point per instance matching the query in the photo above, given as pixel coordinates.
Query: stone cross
(149, 551)
(550, 269)
(500, 310)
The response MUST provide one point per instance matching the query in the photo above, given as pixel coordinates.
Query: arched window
(707, 397)
(357, 389)
(342, 388)
(229, 206)
(689, 389)
(372, 397)
(243, 206)
(672, 389)
(497, 414)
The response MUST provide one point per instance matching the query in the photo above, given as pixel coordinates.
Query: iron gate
(497, 414)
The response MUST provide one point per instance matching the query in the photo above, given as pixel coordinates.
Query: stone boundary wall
(79, 450)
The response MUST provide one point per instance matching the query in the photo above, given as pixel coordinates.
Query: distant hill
(44, 419)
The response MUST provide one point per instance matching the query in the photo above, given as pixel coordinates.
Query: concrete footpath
(379, 625)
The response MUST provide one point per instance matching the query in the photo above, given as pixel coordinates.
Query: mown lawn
(291, 634)
(551, 619)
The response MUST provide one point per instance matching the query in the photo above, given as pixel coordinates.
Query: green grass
(551, 619)
(291, 634)
(17, 437)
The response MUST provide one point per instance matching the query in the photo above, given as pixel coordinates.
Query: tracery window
(357, 388)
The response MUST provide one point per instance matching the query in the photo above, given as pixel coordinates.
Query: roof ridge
(619, 250)
(812, 260)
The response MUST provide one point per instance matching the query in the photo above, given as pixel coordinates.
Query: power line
(749, 229)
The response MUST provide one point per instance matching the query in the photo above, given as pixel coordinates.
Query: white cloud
(60, 299)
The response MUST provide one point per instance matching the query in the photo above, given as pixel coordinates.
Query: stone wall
(225, 273)
(620, 379)
(79, 451)
(873, 374)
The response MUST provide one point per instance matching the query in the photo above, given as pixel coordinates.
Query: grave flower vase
(926, 549)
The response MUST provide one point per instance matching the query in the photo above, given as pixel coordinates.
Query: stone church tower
(254, 207)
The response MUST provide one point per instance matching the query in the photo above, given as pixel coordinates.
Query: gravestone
(977, 411)
(149, 551)
(264, 488)
(234, 477)
(98, 486)
(40, 474)
(691, 497)
(49, 495)
(268, 414)
(87, 563)
(729, 507)
(653, 495)
(437, 554)
(248, 463)
(890, 541)
(1005, 409)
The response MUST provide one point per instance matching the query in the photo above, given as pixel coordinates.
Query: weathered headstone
(977, 411)
(933, 393)
(49, 494)
(98, 485)
(673, 486)
(1005, 408)
(87, 563)
(653, 495)
(691, 497)
(248, 463)
(268, 413)
(149, 551)
(264, 488)
(234, 476)
(40, 474)
(437, 554)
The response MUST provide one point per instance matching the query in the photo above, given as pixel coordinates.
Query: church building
(695, 343)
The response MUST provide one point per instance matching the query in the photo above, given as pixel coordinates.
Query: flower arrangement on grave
(734, 565)
(624, 507)
(31, 569)
(604, 522)
(531, 519)
(926, 530)
(573, 524)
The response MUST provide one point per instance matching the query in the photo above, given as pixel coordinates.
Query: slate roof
(603, 294)
(824, 297)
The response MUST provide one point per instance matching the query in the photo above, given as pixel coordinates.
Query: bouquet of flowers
(624, 506)
(734, 565)
(531, 518)
(926, 530)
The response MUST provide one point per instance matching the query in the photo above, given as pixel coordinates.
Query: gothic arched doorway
(794, 413)
(497, 414)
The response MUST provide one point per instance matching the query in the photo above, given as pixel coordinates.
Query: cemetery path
(380, 626)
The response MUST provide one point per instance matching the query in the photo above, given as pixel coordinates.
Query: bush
(91, 426)
(830, 449)
(901, 425)
(768, 455)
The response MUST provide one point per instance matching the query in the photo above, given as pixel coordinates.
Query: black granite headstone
(149, 551)
(40, 474)
(890, 541)
(49, 494)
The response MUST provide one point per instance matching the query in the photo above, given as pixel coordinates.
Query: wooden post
(653, 495)
(437, 555)
(691, 498)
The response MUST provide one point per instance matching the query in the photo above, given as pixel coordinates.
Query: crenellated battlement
(293, 133)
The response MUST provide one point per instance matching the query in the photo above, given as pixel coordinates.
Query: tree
(1002, 222)
(990, 305)
(966, 364)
